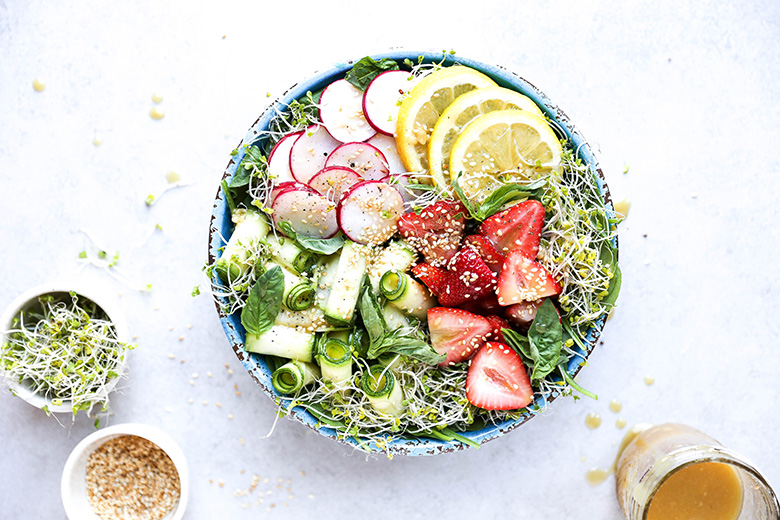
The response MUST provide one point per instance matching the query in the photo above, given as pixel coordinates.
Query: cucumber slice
(345, 290)
(284, 342)
(251, 228)
(406, 294)
(398, 256)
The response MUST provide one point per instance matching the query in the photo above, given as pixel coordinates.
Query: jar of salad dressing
(674, 472)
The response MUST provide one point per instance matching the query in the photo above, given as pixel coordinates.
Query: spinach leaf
(371, 313)
(519, 344)
(614, 287)
(546, 339)
(367, 69)
(264, 302)
(322, 246)
(407, 344)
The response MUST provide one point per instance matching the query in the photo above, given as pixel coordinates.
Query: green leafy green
(546, 339)
(406, 344)
(322, 246)
(499, 198)
(371, 313)
(264, 302)
(572, 383)
(614, 287)
(366, 69)
(254, 163)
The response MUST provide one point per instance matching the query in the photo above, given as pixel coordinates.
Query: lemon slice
(461, 112)
(502, 146)
(422, 107)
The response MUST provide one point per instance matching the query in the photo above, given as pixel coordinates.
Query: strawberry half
(467, 279)
(436, 232)
(523, 279)
(522, 314)
(498, 323)
(497, 379)
(516, 229)
(492, 257)
(457, 333)
(485, 306)
(430, 275)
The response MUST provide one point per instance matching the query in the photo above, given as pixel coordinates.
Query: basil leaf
(519, 344)
(322, 246)
(405, 344)
(546, 339)
(367, 69)
(264, 302)
(371, 313)
(500, 197)
(252, 164)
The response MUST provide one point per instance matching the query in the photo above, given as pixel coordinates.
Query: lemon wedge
(421, 109)
(461, 112)
(502, 146)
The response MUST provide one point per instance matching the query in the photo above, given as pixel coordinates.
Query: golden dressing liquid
(593, 420)
(156, 113)
(649, 380)
(703, 491)
(615, 406)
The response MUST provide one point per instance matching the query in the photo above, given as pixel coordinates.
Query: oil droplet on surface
(97, 141)
(622, 207)
(157, 98)
(649, 380)
(615, 406)
(156, 113)
(621, 423)
(39, 85)
(593, 420)
(173, 177)
(597, 475)
(583, 459)
(611, 314)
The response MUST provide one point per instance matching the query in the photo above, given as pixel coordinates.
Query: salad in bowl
(413, 253)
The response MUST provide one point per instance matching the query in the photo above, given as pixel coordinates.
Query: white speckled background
(686, 94)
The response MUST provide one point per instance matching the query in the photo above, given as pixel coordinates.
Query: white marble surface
(684, 93)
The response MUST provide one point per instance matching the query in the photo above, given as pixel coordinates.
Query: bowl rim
(86, 289)
(258, 369)
(72, 481)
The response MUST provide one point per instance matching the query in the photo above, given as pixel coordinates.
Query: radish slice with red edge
(279, 159)
(309, 213)
(286, 186)
(400, 181)
(369, 212)
(334, 181)
(382, 96)
(341, 111)
(386, 145)
(363, 158)
(310, 151)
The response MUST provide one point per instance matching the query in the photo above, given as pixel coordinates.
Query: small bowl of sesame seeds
(127, 471)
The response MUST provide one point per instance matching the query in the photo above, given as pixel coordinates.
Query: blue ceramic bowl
(221, 226)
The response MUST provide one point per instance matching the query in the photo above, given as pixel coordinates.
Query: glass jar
(659, 452)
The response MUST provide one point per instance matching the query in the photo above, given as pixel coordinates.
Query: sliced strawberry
(522, 314)
(485, 306)
(467, 279)
(436, 232)
(431, 276)
(492, 256)
(516, 229)
(497, 379)
(523, 279)
(498, 323)
(457, 333)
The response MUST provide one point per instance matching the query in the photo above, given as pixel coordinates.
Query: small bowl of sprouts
(63, 348)
(414, 253)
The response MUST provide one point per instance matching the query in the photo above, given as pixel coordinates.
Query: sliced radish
(279, 159)
(310, 151)
(400, 181)
(365, 159)
(381, 100)
(341, 111)
(386, 145)
(334, 181)
(309, 213)
(286, 186)
(369, 212)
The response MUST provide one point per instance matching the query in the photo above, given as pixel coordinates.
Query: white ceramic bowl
(30, 298)
(74, 485)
